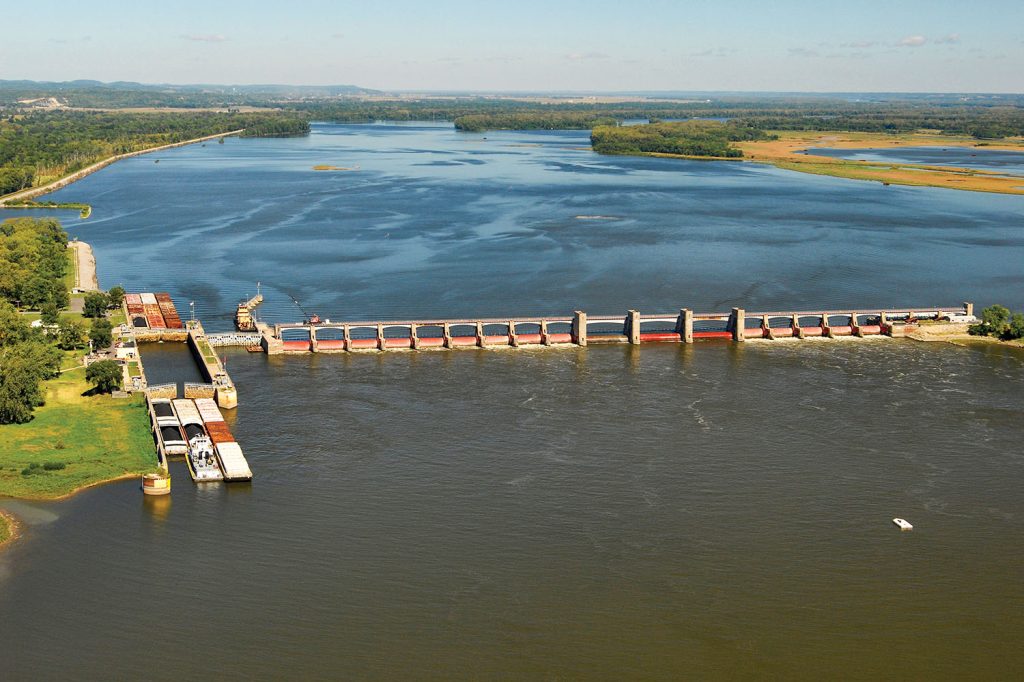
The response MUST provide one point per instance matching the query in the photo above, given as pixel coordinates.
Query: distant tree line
(689, 138)
(533, 121)
(40, 147)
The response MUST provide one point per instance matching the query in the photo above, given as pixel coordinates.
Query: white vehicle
(961, 318)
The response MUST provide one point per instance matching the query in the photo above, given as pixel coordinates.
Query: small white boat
(902, 524)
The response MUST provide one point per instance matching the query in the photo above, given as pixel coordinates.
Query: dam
(581, 329)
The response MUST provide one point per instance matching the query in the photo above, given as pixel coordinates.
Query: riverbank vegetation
(997, 321)
(40, 147)
(678, 138)
(84, 210)
(6, 529)
(58, 432)
(84, 438)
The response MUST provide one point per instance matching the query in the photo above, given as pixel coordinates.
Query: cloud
(206, 38)
(581, 56)
(859, 44)
(913, 41)
(802, 52)
(951, 39)
(337, 36)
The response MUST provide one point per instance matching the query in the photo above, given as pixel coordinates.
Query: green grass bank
(75, 441)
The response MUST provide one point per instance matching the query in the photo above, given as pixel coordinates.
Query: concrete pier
(211, 366)
(582, 329)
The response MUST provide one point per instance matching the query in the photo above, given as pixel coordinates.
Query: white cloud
(913, 41)
(206, 38)
(951, 39)
(859, 44)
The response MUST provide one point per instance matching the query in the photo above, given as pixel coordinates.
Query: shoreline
(13, 529)
(70, 493)
(85, 267)
(789, 153)
(33, 192)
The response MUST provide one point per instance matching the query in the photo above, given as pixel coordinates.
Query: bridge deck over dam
(581, 329)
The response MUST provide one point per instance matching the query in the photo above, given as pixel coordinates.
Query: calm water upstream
(674, 512)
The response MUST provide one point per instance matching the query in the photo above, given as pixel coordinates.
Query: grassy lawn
(96, 438)
(206, 350)
(72, 271)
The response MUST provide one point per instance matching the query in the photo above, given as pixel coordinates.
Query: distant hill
(122, 94)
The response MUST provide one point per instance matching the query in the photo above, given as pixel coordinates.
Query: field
(785, 153)
(95, 438)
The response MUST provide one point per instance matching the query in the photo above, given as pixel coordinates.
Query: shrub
(54, 466)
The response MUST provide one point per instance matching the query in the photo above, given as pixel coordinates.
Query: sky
(528, 45)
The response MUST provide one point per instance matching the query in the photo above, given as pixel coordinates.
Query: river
(707, 511)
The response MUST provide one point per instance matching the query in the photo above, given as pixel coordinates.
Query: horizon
(93, 82)
(574, 47)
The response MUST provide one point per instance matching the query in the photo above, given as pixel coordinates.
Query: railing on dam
(581, 329)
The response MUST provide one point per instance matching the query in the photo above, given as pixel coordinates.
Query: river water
(667, 511)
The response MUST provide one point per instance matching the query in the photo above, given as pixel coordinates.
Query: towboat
(902, 524)
(202, 464)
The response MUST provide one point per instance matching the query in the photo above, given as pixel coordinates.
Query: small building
(125, 350)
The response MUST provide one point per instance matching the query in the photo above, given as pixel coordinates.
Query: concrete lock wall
(200, 391)
(169, 391)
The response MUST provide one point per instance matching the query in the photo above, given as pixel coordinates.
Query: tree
(19, 387)
(49, 314)
(1015, 328)
(96, 304)
(58, 294)
(105, 375)
(13, 327)
(99, 332)
(71, 334)
(116, 295)
(36, 354)
(995, 320)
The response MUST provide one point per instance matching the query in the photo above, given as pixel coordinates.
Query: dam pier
(581, 329)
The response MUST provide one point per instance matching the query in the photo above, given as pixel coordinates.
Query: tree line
(40, 147)
(689, 138)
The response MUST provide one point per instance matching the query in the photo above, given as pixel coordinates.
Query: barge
(232, 461)
(202, 462)
(169, 428)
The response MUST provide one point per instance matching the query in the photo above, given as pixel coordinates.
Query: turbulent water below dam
(664, 511)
